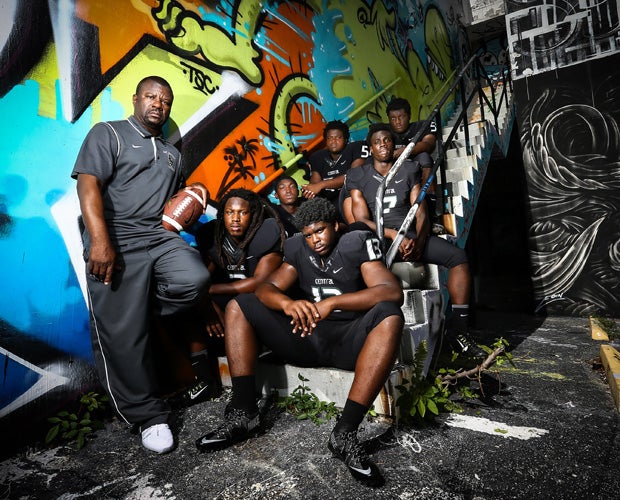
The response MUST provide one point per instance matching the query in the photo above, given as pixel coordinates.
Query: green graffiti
(288, 91)
(235, 51)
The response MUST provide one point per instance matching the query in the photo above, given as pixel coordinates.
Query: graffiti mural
(548, 34)
(254, 83)
(571, 151)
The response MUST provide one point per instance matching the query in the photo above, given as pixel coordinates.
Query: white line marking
(495, 428)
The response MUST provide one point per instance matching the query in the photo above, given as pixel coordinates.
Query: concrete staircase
(465, 167)
(423, 285)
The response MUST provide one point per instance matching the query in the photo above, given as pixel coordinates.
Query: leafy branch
(422, 398)
(496, 356)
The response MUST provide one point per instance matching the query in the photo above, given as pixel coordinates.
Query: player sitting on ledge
(350, 319)
(241, 247)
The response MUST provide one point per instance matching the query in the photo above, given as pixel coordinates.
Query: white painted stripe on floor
(496, 428)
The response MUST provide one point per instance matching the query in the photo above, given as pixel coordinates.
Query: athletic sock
(459, 321)
(244, 393)
(200, 364)
(352, 415)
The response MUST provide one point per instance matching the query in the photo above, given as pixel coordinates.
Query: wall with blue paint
(254, 84)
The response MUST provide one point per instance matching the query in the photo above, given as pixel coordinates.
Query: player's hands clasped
(304, 316)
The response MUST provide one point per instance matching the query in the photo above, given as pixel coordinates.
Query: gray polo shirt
(140, 173)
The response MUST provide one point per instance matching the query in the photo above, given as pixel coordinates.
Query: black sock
(200, 364)
(459, 321)
(244, 393)
(352, 415)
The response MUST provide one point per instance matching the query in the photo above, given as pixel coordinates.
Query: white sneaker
(158, 438)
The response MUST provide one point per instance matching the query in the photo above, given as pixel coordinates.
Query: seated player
(287, 193)
(241, 247)
(349, 318)
(329, 166)
(403, 130)
(417, 245)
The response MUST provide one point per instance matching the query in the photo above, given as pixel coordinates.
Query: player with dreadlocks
(241, 247)
(346, 315)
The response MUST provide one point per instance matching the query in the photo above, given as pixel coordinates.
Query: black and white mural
(570, 135)
(548, 34)
(565, 57)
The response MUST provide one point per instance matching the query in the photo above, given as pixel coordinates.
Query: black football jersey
(265, 241)
(396, 201)
(401, 140)
(328, 168)
(339, 274)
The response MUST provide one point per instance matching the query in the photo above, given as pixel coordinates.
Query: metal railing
(471, 76)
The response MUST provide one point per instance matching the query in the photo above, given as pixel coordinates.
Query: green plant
(421, 398)
(304, 404)
(69, 426)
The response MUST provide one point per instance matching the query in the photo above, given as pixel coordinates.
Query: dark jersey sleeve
(360, 247)
(357, 150)
(354, 178)
(293, 249)
(98, 153)
(266, 240)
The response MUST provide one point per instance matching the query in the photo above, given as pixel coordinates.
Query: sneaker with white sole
(158, 438)
(346, 447)
(238, 425)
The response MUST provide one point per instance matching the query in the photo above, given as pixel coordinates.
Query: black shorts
(443, 253)
(333, 343)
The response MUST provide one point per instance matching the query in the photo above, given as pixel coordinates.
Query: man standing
(417, 245)
(328, 166)
(136, 269)
(349, 318)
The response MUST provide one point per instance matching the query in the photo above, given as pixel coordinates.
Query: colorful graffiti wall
(254, 83)
(565, 57)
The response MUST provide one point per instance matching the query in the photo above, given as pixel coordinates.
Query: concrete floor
(546, 429)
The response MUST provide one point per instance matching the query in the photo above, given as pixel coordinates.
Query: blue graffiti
(38, 152)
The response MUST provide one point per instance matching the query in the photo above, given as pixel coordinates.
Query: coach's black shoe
(238, 425)
(346, 447)
(463, 344)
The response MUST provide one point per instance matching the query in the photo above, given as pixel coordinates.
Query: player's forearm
(91, 206)
(335, 183)
(272, 297)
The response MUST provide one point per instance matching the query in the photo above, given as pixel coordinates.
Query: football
(183, 209)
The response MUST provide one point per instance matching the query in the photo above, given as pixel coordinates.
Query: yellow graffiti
(289, 90)
(420, 81)
(236, 51)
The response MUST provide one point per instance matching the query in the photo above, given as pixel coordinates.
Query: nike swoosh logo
(399, 180)
(365, 471)
(207, 441)
(337, 270)
(194, 396)
(135, 147)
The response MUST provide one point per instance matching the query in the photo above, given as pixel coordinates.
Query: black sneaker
(346, 447)
(238, 425)
(462, 343)
(200, 392)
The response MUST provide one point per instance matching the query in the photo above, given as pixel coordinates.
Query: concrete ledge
(598, 333)
(328, 384)
(610, 358)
